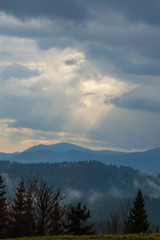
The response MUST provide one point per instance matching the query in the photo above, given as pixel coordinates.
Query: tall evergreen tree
(18, 211)
(77, 220)
(137, 220)
(29, 218)
(3, 209)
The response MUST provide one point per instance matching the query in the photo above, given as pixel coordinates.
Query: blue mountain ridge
(58, 147)
(147, 161)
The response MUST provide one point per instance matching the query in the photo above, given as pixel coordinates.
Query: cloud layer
(80, 71)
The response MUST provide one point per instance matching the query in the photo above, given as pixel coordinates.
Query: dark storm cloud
(79, 10)
(102, 29)
(145, 11)
(119, 39)
(123, 62)
(133, 101)
(69, 10)
(137, 104)
(18, 71)
(148, 68)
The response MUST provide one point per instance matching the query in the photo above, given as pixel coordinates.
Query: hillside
(147, 161)
(102, 187)
(94, 176)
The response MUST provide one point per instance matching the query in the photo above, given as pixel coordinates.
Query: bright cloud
(88, 76)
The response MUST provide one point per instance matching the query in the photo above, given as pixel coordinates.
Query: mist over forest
(101, 187)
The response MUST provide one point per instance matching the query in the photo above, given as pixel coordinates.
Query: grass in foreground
(154, 236)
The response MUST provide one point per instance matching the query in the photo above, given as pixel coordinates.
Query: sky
(80, 71)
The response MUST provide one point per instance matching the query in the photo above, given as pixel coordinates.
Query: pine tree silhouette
(3, 209)
(29, 218)
(77, 218)
(137, 220)
(18, 211)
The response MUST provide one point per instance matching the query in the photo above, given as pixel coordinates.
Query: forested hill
(102, 187)
(146, 161)
(93, 176)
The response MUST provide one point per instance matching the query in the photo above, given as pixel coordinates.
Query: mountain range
(146, 161)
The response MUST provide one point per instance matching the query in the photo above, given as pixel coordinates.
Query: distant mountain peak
(58, 147)
(147, 161)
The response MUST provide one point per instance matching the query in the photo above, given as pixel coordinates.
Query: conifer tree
(29, 219)
(18, 211)
(137, 220)
(77, 220)
(3, 209)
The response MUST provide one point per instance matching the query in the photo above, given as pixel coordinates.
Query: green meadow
(154, 236)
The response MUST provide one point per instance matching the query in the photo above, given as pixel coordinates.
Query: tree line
(37, 209)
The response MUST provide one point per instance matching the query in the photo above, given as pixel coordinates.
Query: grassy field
(155, 236)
